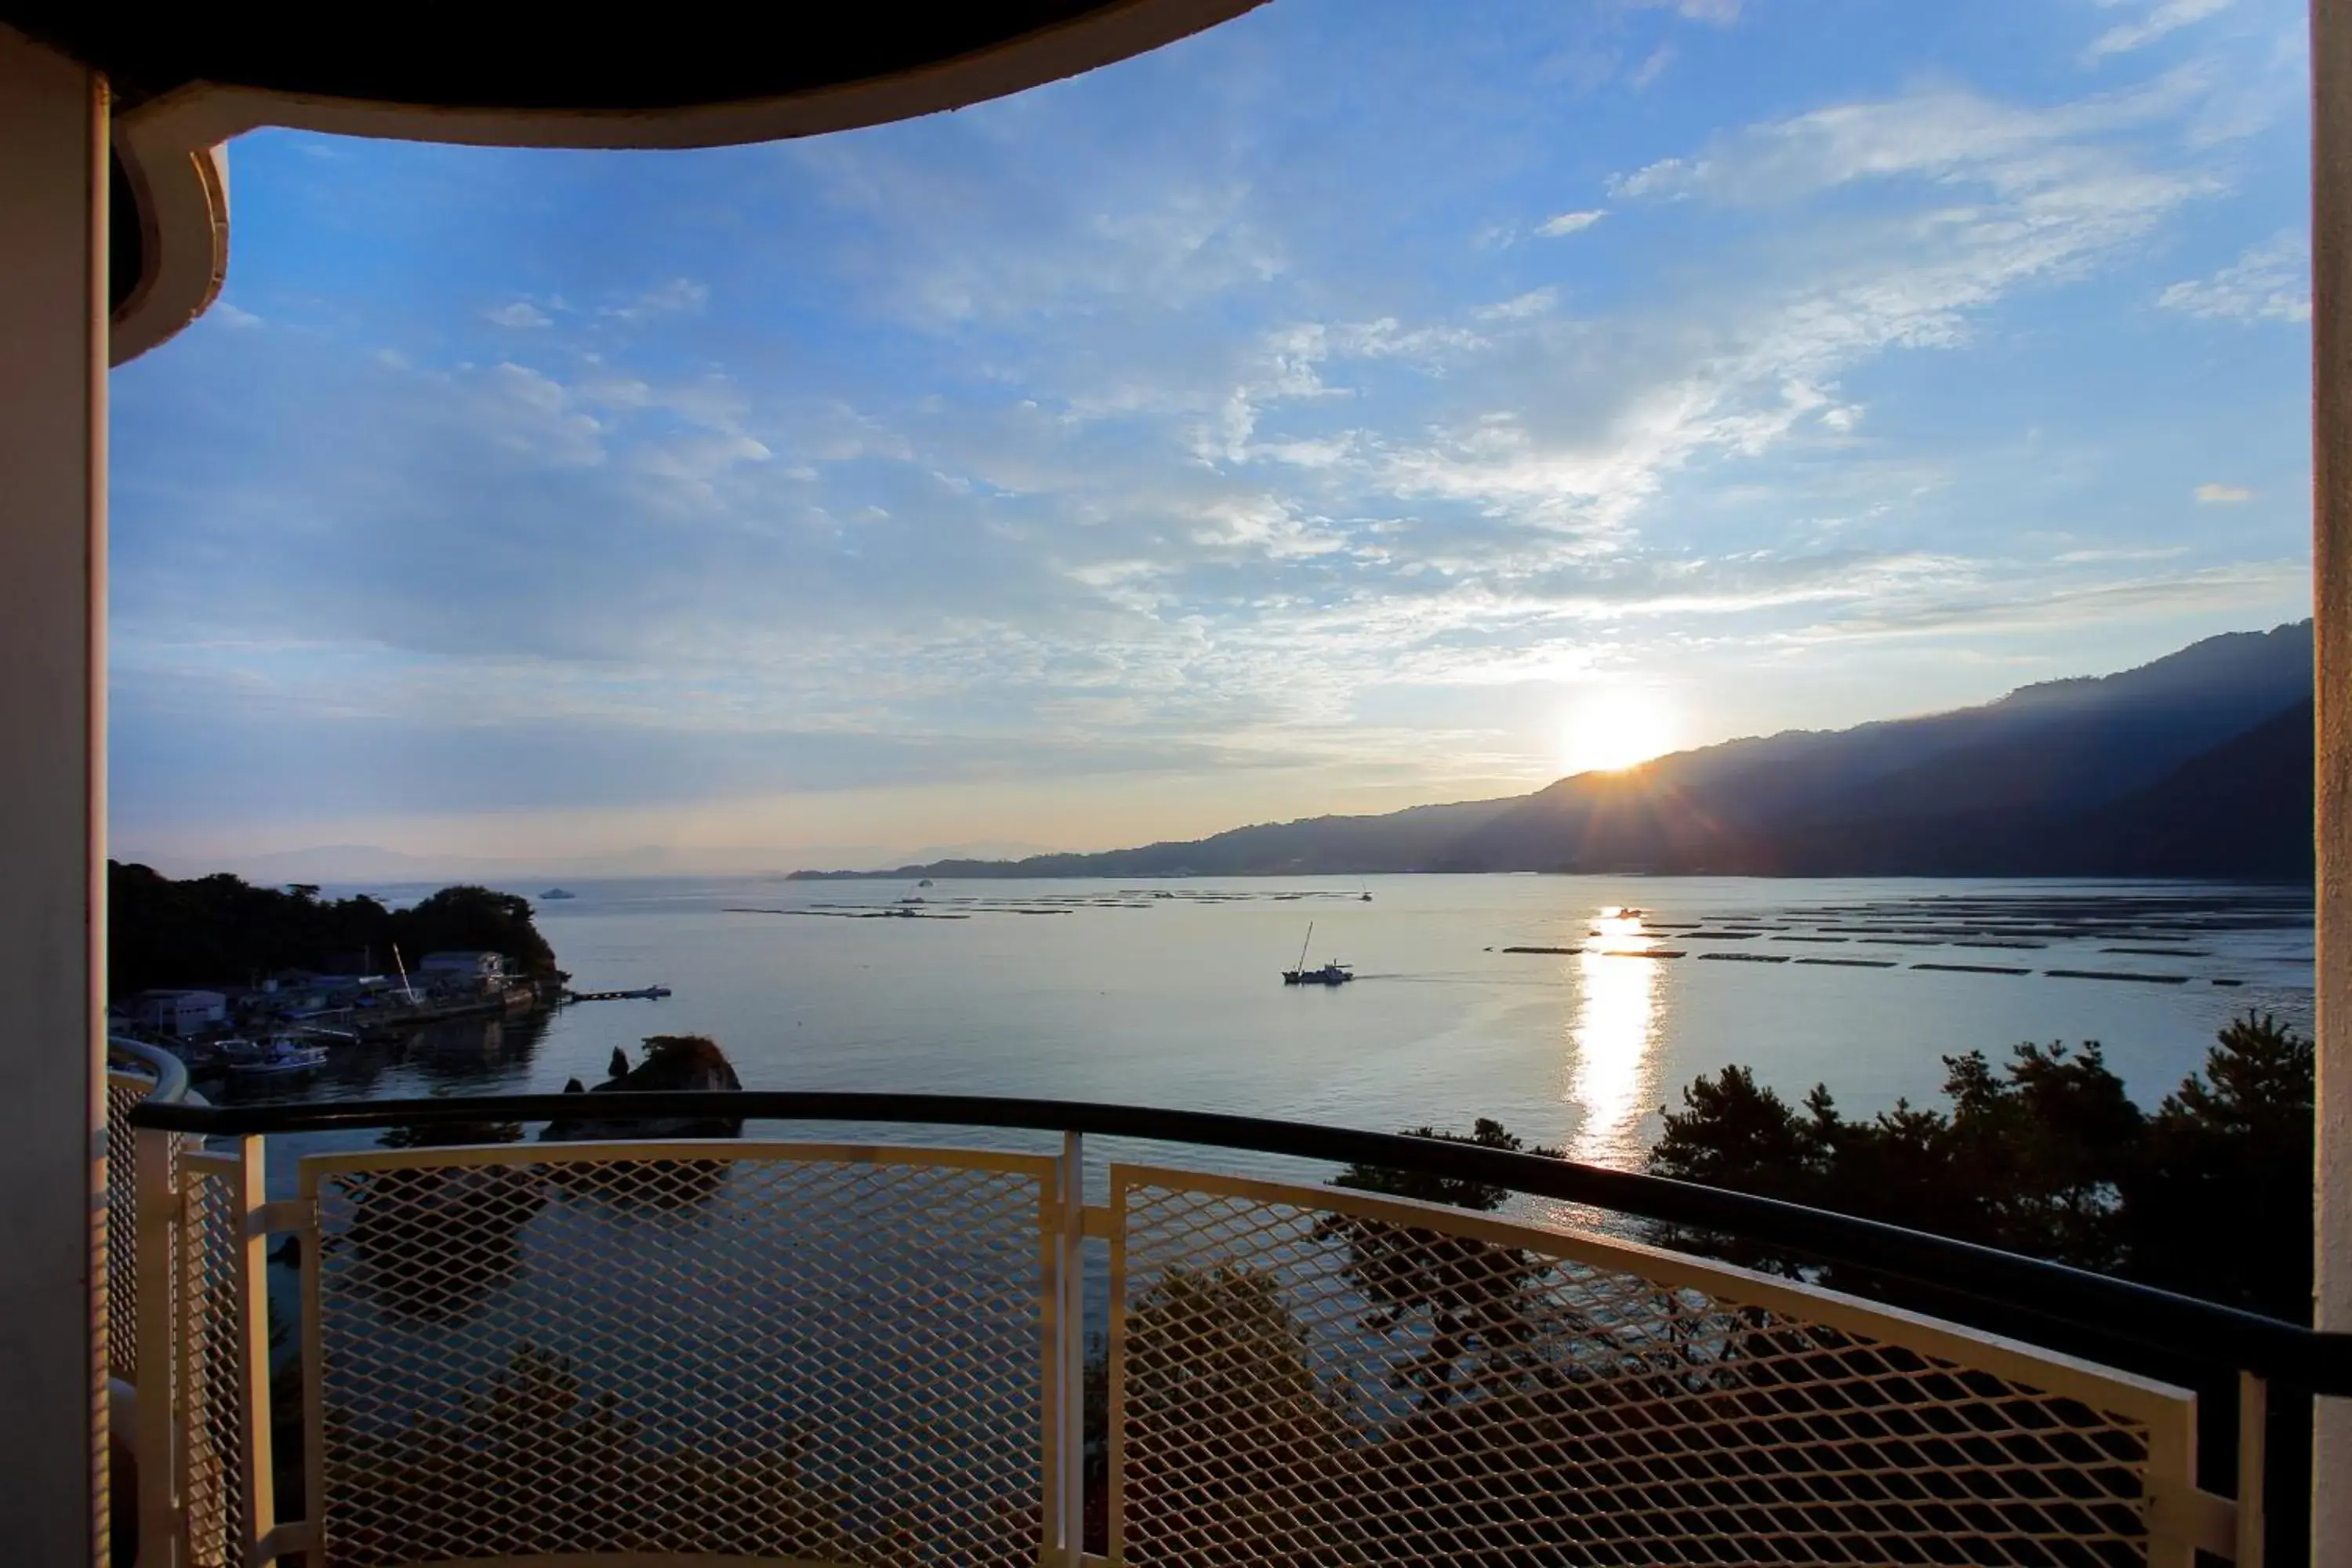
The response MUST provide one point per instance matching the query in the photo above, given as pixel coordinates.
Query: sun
(1616, 728)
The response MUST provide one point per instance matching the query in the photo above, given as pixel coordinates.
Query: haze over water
(1169, 994)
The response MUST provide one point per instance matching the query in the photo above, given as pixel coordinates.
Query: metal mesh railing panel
(123, 1090)
(813, 1359)
(212, 1383)
(1301, 1385)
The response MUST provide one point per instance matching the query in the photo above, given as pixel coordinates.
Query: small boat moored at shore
(280, 1054)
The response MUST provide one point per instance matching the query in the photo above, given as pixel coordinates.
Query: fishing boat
(1329, 974)
(280, 1054)
(556, 894)
(197, 1056)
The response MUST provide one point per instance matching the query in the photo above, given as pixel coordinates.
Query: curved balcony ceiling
(529, 63)
(698, 76)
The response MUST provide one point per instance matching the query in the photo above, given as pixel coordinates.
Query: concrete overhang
(510, 75)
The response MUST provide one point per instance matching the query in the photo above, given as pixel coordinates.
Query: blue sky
(1368, 402)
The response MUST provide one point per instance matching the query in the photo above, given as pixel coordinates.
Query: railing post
(256, 1475)
(163, 1524)
(1115, 1431)
(2254, 1466)
(313, 1334)
(1069, 1534)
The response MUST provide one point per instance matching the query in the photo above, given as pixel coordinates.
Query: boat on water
(1329, 974)
(554, 894)
(197, 1056)
(280, 1054)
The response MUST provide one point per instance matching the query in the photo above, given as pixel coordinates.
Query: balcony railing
(135, 1072)
(638, 1352)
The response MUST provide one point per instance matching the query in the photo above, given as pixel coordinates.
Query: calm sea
(1169, 992)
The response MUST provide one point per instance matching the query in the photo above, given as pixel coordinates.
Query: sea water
(1168, 992)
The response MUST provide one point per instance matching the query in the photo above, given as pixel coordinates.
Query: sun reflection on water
(1613, 1076)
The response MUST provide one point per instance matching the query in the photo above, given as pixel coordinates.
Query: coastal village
(252, 981)
(205, 1026)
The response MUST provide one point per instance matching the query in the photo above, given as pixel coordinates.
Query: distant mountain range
(2198, 764)
(363, 863)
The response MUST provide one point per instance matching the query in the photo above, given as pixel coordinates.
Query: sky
(1363, 404)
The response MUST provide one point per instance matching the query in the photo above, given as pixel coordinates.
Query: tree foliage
(2047, 1155)
(1485, 1133)
(2219, 1200)
(1458, 1297)
(221, 929)
(1238, 1435)
(472, 918)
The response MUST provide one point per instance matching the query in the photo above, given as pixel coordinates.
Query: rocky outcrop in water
(692, 1064)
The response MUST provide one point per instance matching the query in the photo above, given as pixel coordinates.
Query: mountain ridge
(2189, 760)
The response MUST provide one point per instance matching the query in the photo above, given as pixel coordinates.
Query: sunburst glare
(1617, 728)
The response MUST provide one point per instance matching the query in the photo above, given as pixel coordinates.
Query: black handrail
(2093, 1305)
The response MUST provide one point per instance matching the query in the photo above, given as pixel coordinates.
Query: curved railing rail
(136, 1074)
(2095, 1307)
(166, 1075)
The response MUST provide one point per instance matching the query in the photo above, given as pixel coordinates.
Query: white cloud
(2270, 282)
(1123, 226)
(228, 315)
(1940, 136)
(2222, 495)
(521, 314)
(2106, 557)
(1518, 308)
(1571, 223)
(1581, 423)
(1642, 76)
(679, 296)
(532, 416)
(2167, 18)
(1722, 13)
(2012, 604)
